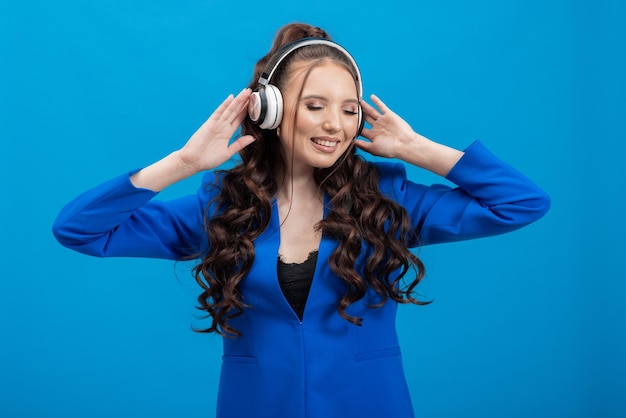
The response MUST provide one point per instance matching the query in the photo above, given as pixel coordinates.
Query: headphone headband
(274, 62)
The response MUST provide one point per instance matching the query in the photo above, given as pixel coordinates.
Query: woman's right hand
(209, 146)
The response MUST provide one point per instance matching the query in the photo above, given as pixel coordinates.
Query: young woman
(304, 248)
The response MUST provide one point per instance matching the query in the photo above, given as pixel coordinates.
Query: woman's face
(327, 115)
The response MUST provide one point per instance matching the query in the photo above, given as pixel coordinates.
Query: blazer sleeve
(117, 219)
(491, 198)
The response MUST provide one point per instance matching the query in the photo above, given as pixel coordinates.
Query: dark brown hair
(360, 219)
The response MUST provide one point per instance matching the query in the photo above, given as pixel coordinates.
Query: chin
(327, 163)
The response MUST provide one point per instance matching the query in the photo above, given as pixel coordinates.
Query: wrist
(414, 150)
(163, 173)
(181, 165)
(430, 155)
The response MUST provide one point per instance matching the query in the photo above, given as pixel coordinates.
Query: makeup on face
(325, 114)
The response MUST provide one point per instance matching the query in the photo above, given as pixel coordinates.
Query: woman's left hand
(391, 137)
(389, 134)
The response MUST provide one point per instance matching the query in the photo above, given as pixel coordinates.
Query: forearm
(116, 218)
(162, 173)
(491, 197)
(422, 152)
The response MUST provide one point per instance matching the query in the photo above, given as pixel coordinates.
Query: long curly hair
(361, 219)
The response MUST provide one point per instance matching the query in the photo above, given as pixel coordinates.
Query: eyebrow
(315, 96)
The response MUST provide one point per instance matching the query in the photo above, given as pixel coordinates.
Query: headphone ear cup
(255, 106)
(361, 121)
(272, 107)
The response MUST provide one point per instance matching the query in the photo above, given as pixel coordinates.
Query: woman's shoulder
(212, 184)
(391, 174)
(389, 168)
(212, 181)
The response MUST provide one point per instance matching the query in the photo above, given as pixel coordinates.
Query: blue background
(526, 324)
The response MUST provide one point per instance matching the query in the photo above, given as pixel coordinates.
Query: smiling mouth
(325, 143)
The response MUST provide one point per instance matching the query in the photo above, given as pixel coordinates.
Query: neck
(298, 182)
(299, 187)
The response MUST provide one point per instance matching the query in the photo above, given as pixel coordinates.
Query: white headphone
(265, 107)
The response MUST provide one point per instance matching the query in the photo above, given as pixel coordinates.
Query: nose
(332, 122)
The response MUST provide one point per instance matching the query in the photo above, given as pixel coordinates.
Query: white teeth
(324, 143)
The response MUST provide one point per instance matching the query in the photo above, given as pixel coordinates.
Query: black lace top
(295, 281)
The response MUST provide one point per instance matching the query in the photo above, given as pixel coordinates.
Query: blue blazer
(323, 366)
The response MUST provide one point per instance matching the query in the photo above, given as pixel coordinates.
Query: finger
(369, 110)
(235, 108)
(369, 119)
(364, 145)
(240, 117)
(384, 109)
(240, 143)
(365, 133)
(222, 108)
(244, 99)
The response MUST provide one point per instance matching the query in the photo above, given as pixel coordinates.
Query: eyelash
(317, 107)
